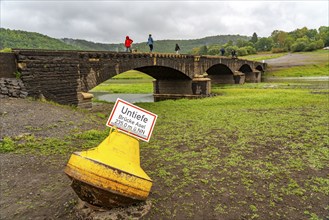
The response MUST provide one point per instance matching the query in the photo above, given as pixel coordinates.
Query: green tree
(312, 34)
(203, 50)
(228, 44)
(242, 51)
(254, 38)
(300, 44)
(264, 44)
(229, 49)
(299, 33)
(279, 38)
(324, 35)
(213, 49)
(244, 43)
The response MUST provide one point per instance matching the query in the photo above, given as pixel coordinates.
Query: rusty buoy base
(84, 210)
(100, 197)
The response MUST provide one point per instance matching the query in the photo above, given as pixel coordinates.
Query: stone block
(7, 65)
(201, 86)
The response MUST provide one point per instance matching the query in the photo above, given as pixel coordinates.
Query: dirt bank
(295, 59)
(35, 187)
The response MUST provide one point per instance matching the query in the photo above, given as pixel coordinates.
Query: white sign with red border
(132, 120)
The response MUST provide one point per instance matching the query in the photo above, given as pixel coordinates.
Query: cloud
(111, 21)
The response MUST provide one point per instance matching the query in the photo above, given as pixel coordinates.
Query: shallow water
(313, 83)
(319, 82)
(132, 98)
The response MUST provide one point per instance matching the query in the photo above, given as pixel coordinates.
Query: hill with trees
(30, 40)
(163, 46)
(303, 39)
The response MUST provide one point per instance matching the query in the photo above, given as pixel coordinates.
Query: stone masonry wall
(12, 87)
(7, 65)
(53, 75)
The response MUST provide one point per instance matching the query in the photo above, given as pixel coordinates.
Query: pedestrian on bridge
(234, 54)
(177, 49)
(128, 43)
(222, 51)
(150, 42)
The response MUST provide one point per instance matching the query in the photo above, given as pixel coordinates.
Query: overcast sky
(110, 21)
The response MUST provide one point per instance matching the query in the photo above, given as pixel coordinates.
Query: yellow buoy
(110, 174)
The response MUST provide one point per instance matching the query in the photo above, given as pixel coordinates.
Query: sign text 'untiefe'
(132, 120)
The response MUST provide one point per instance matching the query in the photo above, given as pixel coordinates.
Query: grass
(263, 56)
(248, 153)
(125, 86)
(315, 63)
(133, 74)
(128, 82)
(253, 148)
(303, 71)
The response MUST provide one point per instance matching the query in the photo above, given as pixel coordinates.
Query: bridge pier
(85, 100)
(238, 78)
(222, 79)
(173, 86)
(177, 89)
(201, 86)
(253, 77)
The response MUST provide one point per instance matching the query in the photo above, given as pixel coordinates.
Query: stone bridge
(65, 76)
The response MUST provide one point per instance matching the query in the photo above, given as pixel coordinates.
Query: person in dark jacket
(234, 54)
(177, 49)
(222, 51)
(150, 42)
(128, 43)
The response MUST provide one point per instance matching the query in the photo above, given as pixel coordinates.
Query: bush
(251, 50)
(242, 51)
(6, 50)
(279, 50)
(319, 44)
(229, 49)
(300, 45)
(311, 47)
(213, 51)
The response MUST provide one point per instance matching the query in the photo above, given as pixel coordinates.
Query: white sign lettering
(132, 120)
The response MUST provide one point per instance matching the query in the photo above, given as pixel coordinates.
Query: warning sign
(132, 120)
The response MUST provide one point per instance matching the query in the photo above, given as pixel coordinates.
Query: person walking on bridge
(128, 43)
(222, 51)
(150, 42)
(177, 49)
(234, 55)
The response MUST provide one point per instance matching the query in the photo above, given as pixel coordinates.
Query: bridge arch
(168, 80)
(163, 73)
(259, 68)
(245, 68)
(220, 74)
(249, 75)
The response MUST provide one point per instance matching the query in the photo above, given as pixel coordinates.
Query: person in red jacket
(128, 43)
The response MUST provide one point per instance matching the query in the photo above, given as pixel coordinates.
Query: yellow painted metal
(113, 167)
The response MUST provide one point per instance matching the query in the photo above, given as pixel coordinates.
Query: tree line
(302, 39)
(30, 40)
